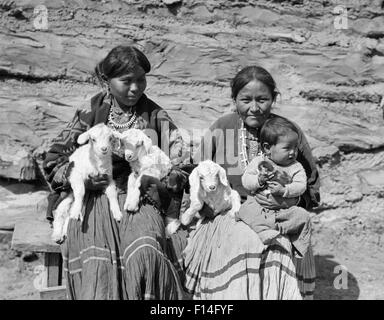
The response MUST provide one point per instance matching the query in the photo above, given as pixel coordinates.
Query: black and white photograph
(191, 150)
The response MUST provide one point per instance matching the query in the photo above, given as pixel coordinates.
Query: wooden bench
(35, 236)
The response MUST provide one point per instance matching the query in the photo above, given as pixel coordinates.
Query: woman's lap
(104, 259)
(91, 253)
(225, 259)
(147, 271)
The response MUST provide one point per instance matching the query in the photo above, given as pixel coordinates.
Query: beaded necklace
(254, 149)
(119, 126)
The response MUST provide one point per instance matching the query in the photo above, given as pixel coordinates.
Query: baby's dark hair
(274, 128)
(251, 73)
(120, 61)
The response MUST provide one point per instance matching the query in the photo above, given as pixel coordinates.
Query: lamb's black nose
(212, 188)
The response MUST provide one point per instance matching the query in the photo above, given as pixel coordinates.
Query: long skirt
(306, 274)
(105, 259)
(91, 253)
(148, 273)
(225, 259)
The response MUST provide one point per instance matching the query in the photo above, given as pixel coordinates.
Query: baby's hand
(264, 177)
(276, 188)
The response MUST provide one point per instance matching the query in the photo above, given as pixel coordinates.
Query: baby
(279, 176)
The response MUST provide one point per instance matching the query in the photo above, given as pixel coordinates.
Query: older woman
(104, 259)
(224, 258)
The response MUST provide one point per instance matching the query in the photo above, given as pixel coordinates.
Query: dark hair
(119, 61)
(274, 128)
(249, 74)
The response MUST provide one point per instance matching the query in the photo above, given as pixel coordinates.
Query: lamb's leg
(236, 203)
(111, 193)
(172, 225)
(65, 229)
(194, 208)
(133, 194)
(60, 222)
(78, 189)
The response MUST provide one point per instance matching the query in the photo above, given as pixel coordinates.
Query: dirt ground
(337, 241)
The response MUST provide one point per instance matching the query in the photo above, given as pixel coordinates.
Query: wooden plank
(53, 293)
(35, 236)
(54, 264)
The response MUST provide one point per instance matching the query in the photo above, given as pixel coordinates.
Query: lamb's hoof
(131, 207)
(117, 215)
(76, 215)
(172, 227)
(59, 239)
(55, 238)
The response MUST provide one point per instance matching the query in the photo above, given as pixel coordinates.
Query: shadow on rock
(333, 282)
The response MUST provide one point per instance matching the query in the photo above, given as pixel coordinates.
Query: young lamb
(209, 184)
(92, 159)
(144, 159)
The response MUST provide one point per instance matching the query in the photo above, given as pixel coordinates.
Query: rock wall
(331, 80)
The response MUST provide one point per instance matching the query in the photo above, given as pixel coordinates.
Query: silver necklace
(115, 125)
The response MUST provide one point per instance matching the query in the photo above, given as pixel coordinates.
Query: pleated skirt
(91, 254)
(105, 259)
(306, 274)
(225, 259)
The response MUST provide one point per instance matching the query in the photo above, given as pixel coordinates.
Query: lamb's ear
(83, 138)
(147, 142)
(223, 176)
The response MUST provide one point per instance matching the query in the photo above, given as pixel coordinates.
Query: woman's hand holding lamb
(97, 183)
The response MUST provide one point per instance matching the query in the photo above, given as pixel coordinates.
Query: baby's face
(284, 152)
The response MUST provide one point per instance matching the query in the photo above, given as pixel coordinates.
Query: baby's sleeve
(250, 178)
(299, 182)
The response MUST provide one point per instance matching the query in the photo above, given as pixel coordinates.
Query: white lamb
(144, 159)
(89, 160)
(209, 184)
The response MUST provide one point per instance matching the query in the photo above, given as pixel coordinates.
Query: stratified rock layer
(331, 80)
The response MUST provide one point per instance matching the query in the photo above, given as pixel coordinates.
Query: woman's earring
(108, 91)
